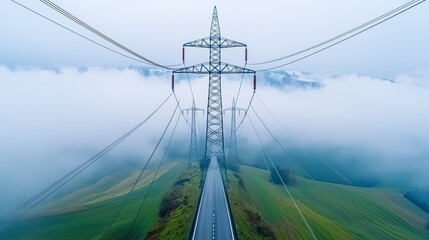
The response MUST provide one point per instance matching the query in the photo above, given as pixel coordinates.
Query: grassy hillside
(87, 212)
(178, 208)
(247, 218)
(261, 209)
(333, 211)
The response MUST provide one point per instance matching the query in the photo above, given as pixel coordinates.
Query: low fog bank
(374, 129)
(54, 120)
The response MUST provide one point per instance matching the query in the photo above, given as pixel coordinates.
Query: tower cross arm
(228, 43)
(227, 68)
(204, 68)
(192, 109)
(222, 43)
(234, 109)
(201, 43)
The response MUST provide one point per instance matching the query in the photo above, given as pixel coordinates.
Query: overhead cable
(181, 110)
(283, 183)
(189, 82)
(139, 177)
(346, 180)
(241, 83)
(98, 33)
(34, 201)
(156, 173)
(78, 34)
(356, 31)
(247, 110)
(346, 209)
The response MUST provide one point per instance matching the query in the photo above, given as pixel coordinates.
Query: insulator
(245, 55)
(183, 54)
(172, 82)
(254, 82)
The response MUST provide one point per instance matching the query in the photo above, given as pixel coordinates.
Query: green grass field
(261, 210)
(243, 208)
(87, 212)
(177, 225)
(333, 211)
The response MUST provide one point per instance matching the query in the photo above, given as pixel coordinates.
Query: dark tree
(286, 175)
(232, 163)
(367, 181)
(204, 164)
(418, 201)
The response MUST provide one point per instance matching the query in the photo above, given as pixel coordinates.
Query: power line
(34, 201)
(305, 172)
(133, 186)
(156, 173)
(283, 148)
(193, 153)
(322, 187)
(189, 83)
(181, 110)
(338, 36)
(247, 110)
(366, 28)
(98, 33)
(284, 185)
(281, 145)
(241, 83)
(317, 156)
(78, 34)
(86, 38)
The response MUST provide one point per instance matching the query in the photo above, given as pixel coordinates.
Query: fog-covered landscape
(348, 125)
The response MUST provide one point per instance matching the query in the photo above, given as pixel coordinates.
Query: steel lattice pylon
(193, 150)
(233, 155)
(215, 68)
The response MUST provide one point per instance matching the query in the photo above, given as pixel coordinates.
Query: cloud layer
(54, 120)
(383, 121)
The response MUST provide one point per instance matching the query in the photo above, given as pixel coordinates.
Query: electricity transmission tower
(232, 154)
(193, 150)
(214, 145)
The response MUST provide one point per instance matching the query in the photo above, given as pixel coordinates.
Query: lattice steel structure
(233, 154)
(193, 149)
(215, 68)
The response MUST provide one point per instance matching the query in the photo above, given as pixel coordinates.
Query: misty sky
(272, 29)
(54, 115)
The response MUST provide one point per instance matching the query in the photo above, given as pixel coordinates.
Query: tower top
(215, 28)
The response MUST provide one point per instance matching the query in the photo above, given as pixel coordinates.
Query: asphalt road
(213, 217)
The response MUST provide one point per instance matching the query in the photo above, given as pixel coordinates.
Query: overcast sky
(157, 30)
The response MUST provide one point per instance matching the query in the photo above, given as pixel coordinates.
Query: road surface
(213, 217)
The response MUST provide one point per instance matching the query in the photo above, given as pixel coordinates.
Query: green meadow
(332, 211)
(88, 212)
(261, 210)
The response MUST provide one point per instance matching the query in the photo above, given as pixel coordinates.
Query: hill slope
(261, 209)
(87, 212)
(333, 211)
